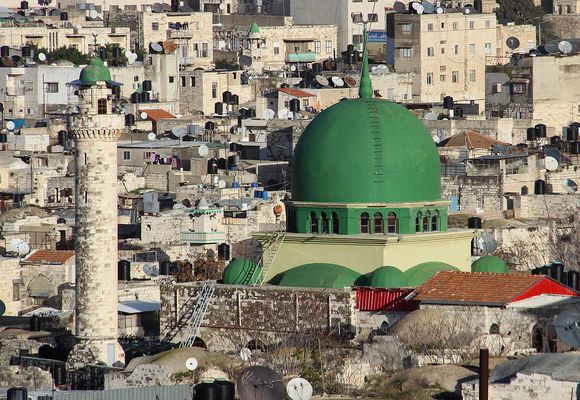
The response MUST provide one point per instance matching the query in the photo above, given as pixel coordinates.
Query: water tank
(240, 119)
(212, 166)
(116, 52)
(294, 105)
(4, 51)
(222, 163)
(129, 120)
(188, 138)
(174, 5)
(545, 270)
(227, 97)
(540, 187)
(116, 91)
(458, 112)
(235, 184)
(146, 86)
(317, 68)
(235, 99)
(26, 52)
(555, 140)
(448, 102)
(124, 270)
(349, 48)
(209, 125)
(35, 323)
(478, 5)
(24, 5)
(540, 130)
(219, 108)
(559, 273)
(252, 112)
(257, 194)
(59, 374)
(303, 84)
(575, 147)
(531, 134)
(536, 271)
(553, 272)
(103, 53)
(233, 162)
(207, 390)
(135, 97)
(349, 58)
(224, 251)
(17, 393)
(163, 270)
(226, 389)
(145, 97)
(572, 133)
(574, 280)
(234, 146)
(265, 195)
(474, 223)
(46, 351)
(3, 138)
(63, 16)
(254, 184)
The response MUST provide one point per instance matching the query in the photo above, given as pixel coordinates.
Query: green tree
(115, 62)
(71, 54)
(518, 11)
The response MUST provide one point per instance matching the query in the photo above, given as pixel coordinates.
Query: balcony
(180, 33)
(202, 237)
(301, 57)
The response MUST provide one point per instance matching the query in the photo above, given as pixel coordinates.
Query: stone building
(565, 7)
(526, 35)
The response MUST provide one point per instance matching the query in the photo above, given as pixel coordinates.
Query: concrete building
(565, 7)
(526, 35)
(446, 52)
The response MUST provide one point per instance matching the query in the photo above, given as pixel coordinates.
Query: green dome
(420, 273)
(241, 272)
(319, 275)
(387, 277)
(366, 150)
(489, 264)
(95, 71)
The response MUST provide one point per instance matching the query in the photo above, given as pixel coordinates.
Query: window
(442, 50)
(442, 25)
(430, 52)
(15, 291)
(305, 103)
(373, 17)
(171, 79)
(406, 27)
(391, 94)
(426, 221)
(276, 50)
(494, 329)
(487, 23)
(214, 90)
(524, 190)
(329, 47)
(51, 87)
(406, 52)
(204, 50)
(455, 26)
(313, 223)
(357, 1)
(364, 223)
(155, 26)
(192, 81)
(471, 75)
(429, 27)
(442, 68)
(147, 155)
(418, 222)
(471, 24)
(102, 106)
(392, 223)
(126, 155)
(441, 77)
(429, 78)
(472, 49)
(378, 223)
(183, 81)
(487, 48)
(456, 49)
(357, 17)
(334, 223)
(454, 76)
(323, 223)
(317, 46)
(135, 78)
(131, 7)
(568, 9)
(435, 221)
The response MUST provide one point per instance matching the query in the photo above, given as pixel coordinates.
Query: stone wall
(157, 177)
(549, 206)
(10, 270)
(473, 192)
(554, 179)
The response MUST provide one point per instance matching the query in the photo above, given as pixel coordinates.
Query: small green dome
(387, 277)
(420, 273)
(489, 264)
(241, 272)
(319, 275)
(95, 71)
(254, 28)
(366, 150)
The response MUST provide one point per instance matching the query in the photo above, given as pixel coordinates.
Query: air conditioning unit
(497, 87)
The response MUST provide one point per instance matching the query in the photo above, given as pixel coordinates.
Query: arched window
(102, 106)
(538, 339)
(494, 329)
(418, 221)
(323, 223)
(313, 223)
(392, 226)
(524, 190)
(427, 221)
(435, 221)
(334, 223)
(378, 223)
(365, 223)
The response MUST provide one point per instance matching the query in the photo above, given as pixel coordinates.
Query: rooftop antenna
(365, 90)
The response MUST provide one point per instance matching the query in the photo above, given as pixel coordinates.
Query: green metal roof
(319, 275)
(489, 264)
(366, 150)
(387, 277)
(420, 273)
(241, 272)
(95, 71)
(254, 28)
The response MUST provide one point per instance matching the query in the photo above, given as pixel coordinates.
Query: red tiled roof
(50, 256)
(453, 287)
(471, 140)
(296, 92)
(157, 114)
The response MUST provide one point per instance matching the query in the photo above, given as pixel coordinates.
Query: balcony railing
(202, 237)
(300, 57)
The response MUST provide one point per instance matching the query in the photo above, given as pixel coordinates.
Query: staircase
(271, 245)
(198, 313)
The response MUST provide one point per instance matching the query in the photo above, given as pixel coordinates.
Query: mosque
(366, 206)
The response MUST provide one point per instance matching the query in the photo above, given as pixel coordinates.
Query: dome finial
(365, 90)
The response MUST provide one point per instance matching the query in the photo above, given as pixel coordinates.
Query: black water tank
(219, 108)
(553, 271)
(303, 84)
(116, 52)
(572, 133)
(146, 86)
(350, 48)
(24, 5)
(135, 97)
(188, 138)
(129, 120)
(3, 138)
(240, 119)
(116, 91)
(540, 187)
(145, 97)
(212, 166)
(124, 270)
(559, 273)
(294, 105)
(26, 51)
(252, 112)
(234, 146)
(163, 270)
(4, 51)
(478, 5)
(206, 390)
(574, 280)
(224, 251)
(235, 99)
(226, 389)
(536, 271)
(448, 102)
(103, 53)
(35, 323)
(227, 97)
(458, 112)
(222, 163)
(555, 140)
(317, 68)
(63, 16)
(531, 134)
(17, 393)
(174, 5)
(59, 374)
(474, 223)
(349, 58)
(209, 125)
(575, 147)
(545, 270)
(540, 130)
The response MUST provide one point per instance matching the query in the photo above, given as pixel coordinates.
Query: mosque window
(435, 221)
(313, 223)
(102, 106)
(335, 223)
(494, 329)
(427, 221)
(378, 224)
(418, 221)
(365, 223)
(392, 223)
(324, 223)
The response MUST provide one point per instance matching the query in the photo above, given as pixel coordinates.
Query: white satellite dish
(133, 58)
(299, 389)
(151, 136)
(374, 69)
(42, 57)
(191, 364)
(245, 354)
(293, 68)
(178, 132)
(128, 53)
(487, 243)
(337, 81)
(439, 10)
(565, 47)
(268, 114)
(221, 184)
(430, 116)
(143, 115)
(93, 14)
(567, 326)
(22, 249)
(178, 206)
(151, 270)
(418, 7)
(284, 113)
(436, 139)
(550, 163)
(222, 6)
(14, 244)
(156, 47)
(10, 125)
(148, 10)
(203, 150)
(570, 186)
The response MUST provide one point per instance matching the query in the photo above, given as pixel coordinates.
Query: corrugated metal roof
(381, 299)
(138, 306)
(175, 392)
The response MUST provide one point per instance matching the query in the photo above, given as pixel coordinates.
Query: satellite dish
(436, 139)
(222, 6)
(128, 53)
(169, 46)
(10, 125)
(293, 68)
(551, 47)
(565, 47)
(260, 383)
(221, 184)
(467, 10)
(399, 7)
(156, 47)
(151, 136)
(245, 354)
(337, 81)
(299, 389)
(430, 116)
(143, 115)
(428, 8)
(22, 248)
(93, 14)
(350, 81)
(79, 26)
(550, 163)
(567, 326)
(512, 42)
(487, 243)
(570, 186)
(151, 270)
(418, 7)
(245, 61)
(284, 113)
(148, 10)
(42, 57)
(203, 150)
(178, 132)
(191, 364)
(158, 8)
(321, 80)
(268, 114)
(440, 10)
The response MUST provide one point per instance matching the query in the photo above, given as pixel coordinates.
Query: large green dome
(366, 150)
(388, 277)
(489, 264)
(421, 273)
(241, 272)
(319, 275)
(95, 71)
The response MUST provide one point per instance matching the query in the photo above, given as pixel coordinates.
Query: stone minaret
(95, 132)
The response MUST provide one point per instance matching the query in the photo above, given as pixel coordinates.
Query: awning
(138, 306)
